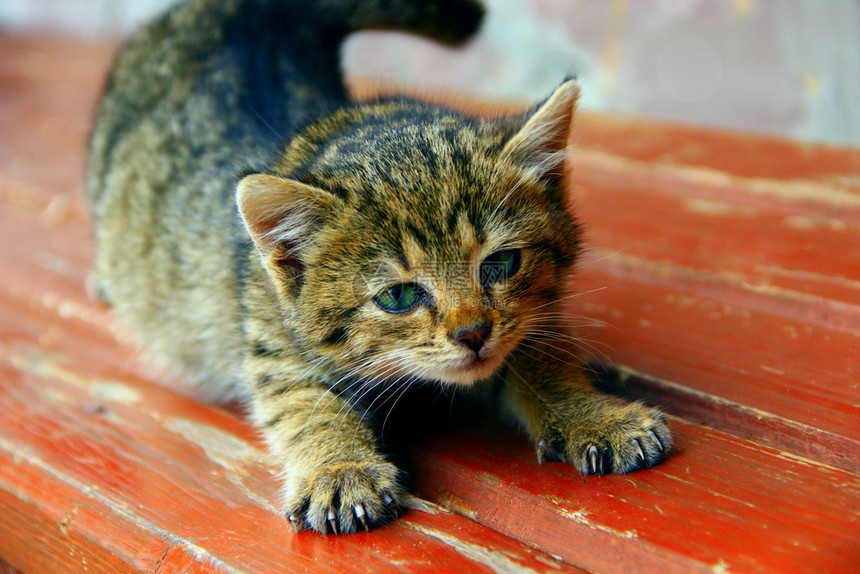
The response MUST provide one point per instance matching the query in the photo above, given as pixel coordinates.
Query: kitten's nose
(472, 336)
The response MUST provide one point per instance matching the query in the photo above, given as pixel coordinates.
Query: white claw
(657, 440)
(361, 515)
(386, 500)
(593, 453)
(639, 448)
(332, 520)
(541, 451)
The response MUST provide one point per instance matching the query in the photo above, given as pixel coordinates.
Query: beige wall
(787, 67)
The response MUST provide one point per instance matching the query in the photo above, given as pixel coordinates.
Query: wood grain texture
(724, 268)
(122, 476)
(718, 503)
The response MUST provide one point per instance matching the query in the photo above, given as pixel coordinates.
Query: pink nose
(472, 336)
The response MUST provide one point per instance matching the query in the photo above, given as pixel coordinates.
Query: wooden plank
(109, 474)
(769, 244)
(758, 275)
(49, 88)
(745, 155)
(88, 347)
(725, 361)
(51, 526)
(718, 504)
(54, 335)
(547, 506)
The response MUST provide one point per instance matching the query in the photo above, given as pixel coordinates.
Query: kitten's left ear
(281, 211)
(541, 144)
(281, 216)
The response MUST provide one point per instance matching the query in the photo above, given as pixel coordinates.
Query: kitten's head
(408, 241)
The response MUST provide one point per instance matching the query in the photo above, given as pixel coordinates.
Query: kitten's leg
(336, 480)
(571, 421)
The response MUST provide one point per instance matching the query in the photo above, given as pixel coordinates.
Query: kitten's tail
(447, 21)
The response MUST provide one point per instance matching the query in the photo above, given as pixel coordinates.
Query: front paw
(345, 497)
(606, 435)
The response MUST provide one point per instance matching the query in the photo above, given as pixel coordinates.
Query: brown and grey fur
(247, 214)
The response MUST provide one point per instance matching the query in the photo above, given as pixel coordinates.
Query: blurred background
(788, 67)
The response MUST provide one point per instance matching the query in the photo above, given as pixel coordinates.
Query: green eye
(500, 266)
(401, 298)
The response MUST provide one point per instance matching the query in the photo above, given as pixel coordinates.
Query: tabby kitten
(311, 256)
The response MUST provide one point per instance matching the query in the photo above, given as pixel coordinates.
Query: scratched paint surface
(721, 264)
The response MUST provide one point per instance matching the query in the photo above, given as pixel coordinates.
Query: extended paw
(345, 497)
(626, 455)
(617, 437)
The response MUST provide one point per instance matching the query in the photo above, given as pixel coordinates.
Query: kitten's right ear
(280, 213)
(546, 132)
(541, 143)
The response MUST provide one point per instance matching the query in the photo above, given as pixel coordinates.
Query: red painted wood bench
(722, 279)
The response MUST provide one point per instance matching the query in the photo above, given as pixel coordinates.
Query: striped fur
(249, 218)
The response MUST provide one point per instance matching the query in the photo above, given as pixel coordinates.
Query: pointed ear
(541, 144)
(280, 213)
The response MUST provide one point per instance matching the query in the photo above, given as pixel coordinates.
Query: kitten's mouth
(471, 369)
(474, 367)
(477, 361)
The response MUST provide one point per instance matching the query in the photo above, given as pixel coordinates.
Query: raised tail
(447, 21)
